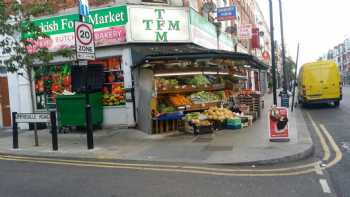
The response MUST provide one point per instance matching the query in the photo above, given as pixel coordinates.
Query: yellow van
(319, 82)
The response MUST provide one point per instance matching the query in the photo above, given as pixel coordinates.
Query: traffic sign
(84, 41)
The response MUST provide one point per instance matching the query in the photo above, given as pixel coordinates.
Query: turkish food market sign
(108, 24)
(158, 24)
(32, 117)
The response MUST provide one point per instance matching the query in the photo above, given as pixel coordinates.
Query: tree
(290, 64)
(19, 35)
(18, 38)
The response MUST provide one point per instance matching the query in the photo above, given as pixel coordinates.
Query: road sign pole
(88, 112)
(273, 55)
(285, 71)
(14, 131)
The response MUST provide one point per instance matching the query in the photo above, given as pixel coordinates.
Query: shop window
(51, 81)
(113, 86)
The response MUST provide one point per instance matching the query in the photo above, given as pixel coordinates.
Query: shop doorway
(5, 110)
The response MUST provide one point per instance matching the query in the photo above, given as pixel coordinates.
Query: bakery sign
(158, 24)
(108, 23)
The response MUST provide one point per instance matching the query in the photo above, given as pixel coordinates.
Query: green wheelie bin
(71, 110)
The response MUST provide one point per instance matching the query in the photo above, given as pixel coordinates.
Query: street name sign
(32, 117)
(226, 13)
(84, 41)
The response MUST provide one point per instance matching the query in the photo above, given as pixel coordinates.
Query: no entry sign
(84, 41)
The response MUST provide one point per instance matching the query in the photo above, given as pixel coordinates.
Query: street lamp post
(285, 72)
(273, 60)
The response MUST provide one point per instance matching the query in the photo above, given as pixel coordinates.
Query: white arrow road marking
(325, 187)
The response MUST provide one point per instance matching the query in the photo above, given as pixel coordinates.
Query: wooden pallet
(166, 126)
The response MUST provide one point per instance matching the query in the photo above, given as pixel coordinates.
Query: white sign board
(158, 24)
(32, 117)
(84, 41)
(245, 31)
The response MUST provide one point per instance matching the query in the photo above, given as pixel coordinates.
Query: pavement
(245, 146)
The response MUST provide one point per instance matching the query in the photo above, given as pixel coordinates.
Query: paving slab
(244, 146)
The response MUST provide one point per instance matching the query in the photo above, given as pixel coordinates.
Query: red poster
(255, 38)
(278, 124)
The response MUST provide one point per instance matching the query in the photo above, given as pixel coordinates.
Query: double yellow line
(288, 171)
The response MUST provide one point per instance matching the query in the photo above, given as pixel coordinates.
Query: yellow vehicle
(319, 82)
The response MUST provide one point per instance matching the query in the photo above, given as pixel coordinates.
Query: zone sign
(84, 41)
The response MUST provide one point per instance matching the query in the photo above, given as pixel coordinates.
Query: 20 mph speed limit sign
(84, 41)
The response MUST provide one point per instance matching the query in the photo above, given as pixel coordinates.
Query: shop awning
(147, 54)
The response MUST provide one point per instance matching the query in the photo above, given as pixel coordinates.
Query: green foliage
(290, 64)
(15, 21)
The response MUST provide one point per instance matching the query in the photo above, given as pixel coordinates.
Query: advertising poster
(278, 124)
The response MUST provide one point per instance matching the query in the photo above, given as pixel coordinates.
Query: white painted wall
(19, 94)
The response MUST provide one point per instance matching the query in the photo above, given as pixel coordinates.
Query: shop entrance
(5, 111)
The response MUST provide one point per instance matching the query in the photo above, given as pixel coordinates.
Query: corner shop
(197, 80)
(120, 43)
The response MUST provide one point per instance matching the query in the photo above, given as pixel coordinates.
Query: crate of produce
(234, 126)
(233, 121)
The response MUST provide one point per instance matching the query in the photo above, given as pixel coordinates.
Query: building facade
(121, 32)
(341, 54)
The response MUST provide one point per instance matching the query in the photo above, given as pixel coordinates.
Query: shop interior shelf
(190, 89)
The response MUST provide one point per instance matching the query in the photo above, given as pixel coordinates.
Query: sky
(318, 25)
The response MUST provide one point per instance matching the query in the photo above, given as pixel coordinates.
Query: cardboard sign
(278, 124)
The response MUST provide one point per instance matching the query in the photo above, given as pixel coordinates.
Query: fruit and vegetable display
(113, 94)
(113, 87)
(198, 80)
(163, 108)
(216, 113)
(179, 100)
(113, 99)
(197, 119)
(51, 81)
(204, 97)
(167, 83)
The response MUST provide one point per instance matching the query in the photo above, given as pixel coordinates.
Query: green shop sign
(100, 18)
(108, 26)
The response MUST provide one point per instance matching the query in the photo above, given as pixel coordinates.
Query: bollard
(14, 131)
(89, 129)
(54, 130)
